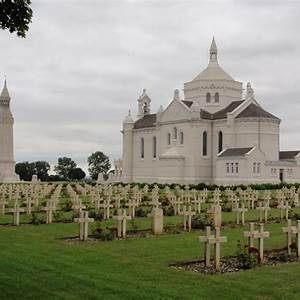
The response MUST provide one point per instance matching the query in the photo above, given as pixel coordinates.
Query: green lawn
(36, 263)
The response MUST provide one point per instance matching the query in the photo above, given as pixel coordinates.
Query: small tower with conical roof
(7, 163)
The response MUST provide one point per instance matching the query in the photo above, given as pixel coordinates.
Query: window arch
(204, 143)
(142, 148)
(181, 138)
(175, 133)
(217, 98)
(220, 141)
(169, 138)
(208, 98)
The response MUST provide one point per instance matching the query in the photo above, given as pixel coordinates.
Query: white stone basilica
(214, 135)
(7, 163)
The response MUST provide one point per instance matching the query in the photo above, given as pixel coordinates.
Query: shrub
(36, 220)
(142, 212)
(58, 216)
(172, 228)
(201, 221)
(98, 216)
(246, 259)
(103, 234)
(168, 211)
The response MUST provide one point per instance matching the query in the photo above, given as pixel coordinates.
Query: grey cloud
(84, 64)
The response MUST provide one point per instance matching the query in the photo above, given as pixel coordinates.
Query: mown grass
(36, 262)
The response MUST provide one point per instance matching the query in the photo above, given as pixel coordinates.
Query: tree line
(65, 170)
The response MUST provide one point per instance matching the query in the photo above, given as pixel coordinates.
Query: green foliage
(77, 174)
(98, 162)
(246, 259)
(26, 169)
(142, 211)
(98, 216)
(15, 15)
(36, 220)
(200, 221)
(173, 228)
(65, 167)
(103, 234)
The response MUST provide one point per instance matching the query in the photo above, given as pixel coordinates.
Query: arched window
(220, 141)
(142, 148)
(175, 133)
(154, 147)
(204, 144)
(169, 139)
(181, 138)
(217, 98)
(208, 98)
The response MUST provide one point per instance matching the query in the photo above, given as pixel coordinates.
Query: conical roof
(5, 93)
(213, 71)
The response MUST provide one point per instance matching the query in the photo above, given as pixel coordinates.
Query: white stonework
(214, 135)
(7, 163)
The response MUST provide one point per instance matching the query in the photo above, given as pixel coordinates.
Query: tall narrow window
(227, 168)
(181, 138)
(208, 98)
(254, 168)
(204, 144)
(169, 139)
(220, 142)
(258, 168)
(236, 168)
(154, 147)
(217, 98)
(142, 148)
(175, 133)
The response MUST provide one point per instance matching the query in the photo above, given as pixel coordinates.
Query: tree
(25, 170)
(77, 174)
(64, 167)
(41, 169)
(15, 15)
(98, 162)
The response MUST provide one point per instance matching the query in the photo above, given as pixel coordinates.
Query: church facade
(7, 163)
(215, 135)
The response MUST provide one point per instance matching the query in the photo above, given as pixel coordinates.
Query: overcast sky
(84, 64)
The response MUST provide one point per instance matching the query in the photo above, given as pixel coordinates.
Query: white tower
(7, 163)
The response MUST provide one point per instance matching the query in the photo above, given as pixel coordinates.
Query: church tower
(7, 163)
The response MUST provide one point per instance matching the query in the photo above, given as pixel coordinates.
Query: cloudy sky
(84, 64)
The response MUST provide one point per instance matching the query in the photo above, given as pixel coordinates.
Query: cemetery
(175, 233)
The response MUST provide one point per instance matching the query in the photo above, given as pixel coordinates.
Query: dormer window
(217, 98)
(208, 98)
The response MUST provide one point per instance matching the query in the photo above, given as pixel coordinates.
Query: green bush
(36, 220)
(172, 228)
(103, 234)
(201, 221)
(246, 259)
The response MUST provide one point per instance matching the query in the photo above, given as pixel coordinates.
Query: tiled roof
(235, 152)
(221, 114)
(288, 154)
(146, 121)
(255, 111)
(187, 103)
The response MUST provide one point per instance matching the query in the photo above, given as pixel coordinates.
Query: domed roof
(213, 72)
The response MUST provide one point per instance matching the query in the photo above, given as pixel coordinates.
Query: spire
(176, 95)
(213, 57)
(5, 97)
(249, 91)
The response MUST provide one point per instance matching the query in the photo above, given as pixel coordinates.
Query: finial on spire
(249, 91)
(176, 94)
(213, 51)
